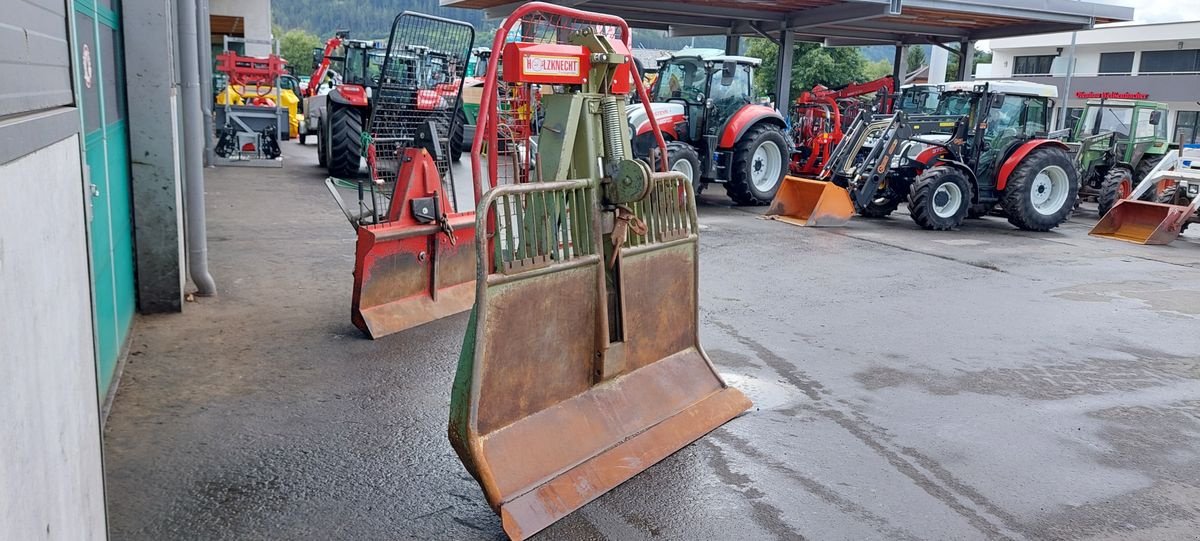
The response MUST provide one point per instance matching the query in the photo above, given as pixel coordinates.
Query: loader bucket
(552, 406)
(419, 264)
(809, 202)
(1142, 222)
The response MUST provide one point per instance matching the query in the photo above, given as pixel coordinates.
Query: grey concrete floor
(979, 384)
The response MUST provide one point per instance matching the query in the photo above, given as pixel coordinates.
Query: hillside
(370, 19)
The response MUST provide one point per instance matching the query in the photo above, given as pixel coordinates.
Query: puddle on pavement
(764, 393)
(1157, 296)
(962, 242)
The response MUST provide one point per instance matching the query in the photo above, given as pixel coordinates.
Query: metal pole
(1062, 115)
(204, 48)
(193, 151)
(783, 72)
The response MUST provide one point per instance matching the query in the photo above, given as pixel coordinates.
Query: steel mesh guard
(420, 82)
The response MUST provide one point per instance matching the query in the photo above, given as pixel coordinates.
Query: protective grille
(420, 82)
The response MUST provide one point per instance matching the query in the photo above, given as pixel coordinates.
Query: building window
(1116, 63)
(1185, 126)
(1181, 61)
(1033, 65)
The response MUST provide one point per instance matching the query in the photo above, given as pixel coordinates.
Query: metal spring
(610, 119)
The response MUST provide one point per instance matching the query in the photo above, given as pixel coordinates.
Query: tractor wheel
(881, 207)
(1041, 190)
(323, 144)
(1144, 167)
(1171, 195)
(1117, 185)
(457, 144)
(345, 140)
(758, 166)
(683, 158)
(939, 198)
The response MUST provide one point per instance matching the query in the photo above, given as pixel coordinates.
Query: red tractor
(716, 132)
(337, 117)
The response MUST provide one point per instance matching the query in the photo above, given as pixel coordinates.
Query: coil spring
(610, 120)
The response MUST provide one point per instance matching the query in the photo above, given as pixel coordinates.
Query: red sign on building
(1087, 95)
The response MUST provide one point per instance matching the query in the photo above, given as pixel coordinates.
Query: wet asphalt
(984, 383)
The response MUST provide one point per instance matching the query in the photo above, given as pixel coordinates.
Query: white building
(1159, 62)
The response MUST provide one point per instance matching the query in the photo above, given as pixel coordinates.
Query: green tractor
(1120, 141)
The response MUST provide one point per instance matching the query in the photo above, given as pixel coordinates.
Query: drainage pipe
(204, 50)
(193, 151)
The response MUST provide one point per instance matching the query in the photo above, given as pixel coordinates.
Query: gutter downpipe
(193, 152)
(204, 50)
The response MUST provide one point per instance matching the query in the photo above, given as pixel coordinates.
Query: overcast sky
(1159, 11)
(1148, 11)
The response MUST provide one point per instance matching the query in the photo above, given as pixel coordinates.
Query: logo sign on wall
(1088, 95)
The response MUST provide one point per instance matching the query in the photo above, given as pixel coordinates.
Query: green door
(100, 82)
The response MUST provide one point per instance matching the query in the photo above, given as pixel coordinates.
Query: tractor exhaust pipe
(193, 151)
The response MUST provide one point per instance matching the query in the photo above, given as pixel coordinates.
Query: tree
(914, 58)
(296, 46)
(812, 64)
(877, 69)
(981, 57)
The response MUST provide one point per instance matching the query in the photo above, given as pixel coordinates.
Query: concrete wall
(152, 75)
(257, 16)
(51, 478)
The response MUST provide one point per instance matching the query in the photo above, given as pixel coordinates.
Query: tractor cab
(712, 87)
(1117, 143)
(362, 63)
(918, 99)
(705, 104)
(999, 117)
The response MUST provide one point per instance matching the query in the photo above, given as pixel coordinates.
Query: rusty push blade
(418, 265)
(809, 202)
(1142, 222)
(544, 419)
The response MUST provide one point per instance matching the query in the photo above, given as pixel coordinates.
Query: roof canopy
(845, 22)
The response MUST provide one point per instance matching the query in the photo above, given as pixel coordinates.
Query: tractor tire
(879, 208)
(683, 158)
(457, 144)
(939, 198)
(1116, 186)
(345, 140)
(1170, 196)
(759, 164)
(322, 144)
(1144, 167)
(1041, 191)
